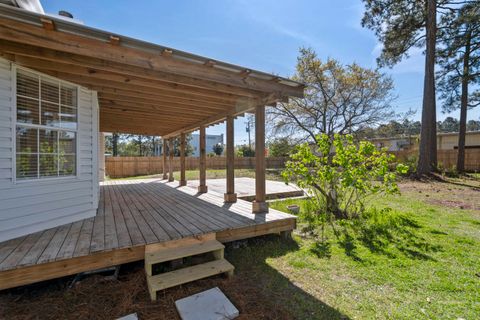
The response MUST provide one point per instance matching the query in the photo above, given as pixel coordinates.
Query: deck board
(98, 237)
(68, 246)
(132, 214)
(51, 251)
(20, 251)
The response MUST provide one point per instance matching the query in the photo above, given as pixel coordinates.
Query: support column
(202, 188)
(165, 169)
(183, 180)
(170, 158)
(260, 205)
(101, 156)
(230, 196)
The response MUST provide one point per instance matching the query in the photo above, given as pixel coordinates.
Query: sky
(259, 34)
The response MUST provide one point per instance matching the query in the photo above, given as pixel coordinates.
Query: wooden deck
(133, 216)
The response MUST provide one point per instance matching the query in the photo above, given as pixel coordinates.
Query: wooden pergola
(149, 89)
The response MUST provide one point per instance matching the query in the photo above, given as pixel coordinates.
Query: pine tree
(401, 25)
(459, 59)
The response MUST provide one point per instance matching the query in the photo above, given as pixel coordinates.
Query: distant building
(211, 140)
(445, 141)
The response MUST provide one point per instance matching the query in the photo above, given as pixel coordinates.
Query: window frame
(14, 71)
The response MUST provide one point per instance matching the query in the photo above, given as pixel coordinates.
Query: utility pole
(247, 129)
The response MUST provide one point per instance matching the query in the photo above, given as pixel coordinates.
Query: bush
(280, 147)
(245, 151)
(218, 149)
(339, 174)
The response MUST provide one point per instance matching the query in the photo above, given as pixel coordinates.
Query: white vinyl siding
(34, 205)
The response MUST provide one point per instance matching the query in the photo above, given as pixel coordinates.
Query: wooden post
(165, 147)
(183, 180)
(170, 158)
(260, 205)
(101, 156)
(230, 196)
(202, 188)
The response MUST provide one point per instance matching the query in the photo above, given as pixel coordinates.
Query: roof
(121, 67)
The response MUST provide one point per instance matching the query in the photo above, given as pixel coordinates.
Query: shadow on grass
(251, 265)
(387, 233)
(381, 233)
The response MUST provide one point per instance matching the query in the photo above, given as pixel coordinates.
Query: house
(445, 141)
(211, 140)
(62, 85)
(396, 143)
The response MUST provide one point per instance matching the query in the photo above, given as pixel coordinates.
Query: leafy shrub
(245, 151)
(339, 174)
(218, 149)
(280, 147)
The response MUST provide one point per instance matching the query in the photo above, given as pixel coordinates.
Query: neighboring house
(445, 141)
(62, 85)
(448, 141)
(211, 140)
(395, 143)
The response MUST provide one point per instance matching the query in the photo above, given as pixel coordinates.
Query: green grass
(420, 261)
(271, 174)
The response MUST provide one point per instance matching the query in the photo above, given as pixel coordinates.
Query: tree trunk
(115, 144)
(427, 160)
(464, 105)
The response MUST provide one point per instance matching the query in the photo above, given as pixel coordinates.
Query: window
(46, 129)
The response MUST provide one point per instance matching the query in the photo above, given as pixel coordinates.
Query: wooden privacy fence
(120, 167)
(446, 158)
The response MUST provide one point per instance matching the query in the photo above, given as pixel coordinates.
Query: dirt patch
(452, 194)
(454, 204)
(97, 298)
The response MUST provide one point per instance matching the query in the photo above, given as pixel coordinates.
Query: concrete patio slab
(207, 305)
(245, 188)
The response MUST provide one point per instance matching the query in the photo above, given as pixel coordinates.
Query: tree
(338, 99)
(218, 149)
(188, 146)
(473, 125)
(115, 137)
(391, 129)
(340, 173)
(280, 147)
(245, 151)
(459, 58)
(448, 125)
(401, 25)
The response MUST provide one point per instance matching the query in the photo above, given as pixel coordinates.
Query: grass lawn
(271, 174)
(423, 265)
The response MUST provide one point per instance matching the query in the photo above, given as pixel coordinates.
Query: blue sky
(259, 34)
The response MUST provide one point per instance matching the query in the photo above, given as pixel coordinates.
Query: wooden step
(188, 274)
(169, 254)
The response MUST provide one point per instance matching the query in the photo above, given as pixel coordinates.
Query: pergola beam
(130, 77)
